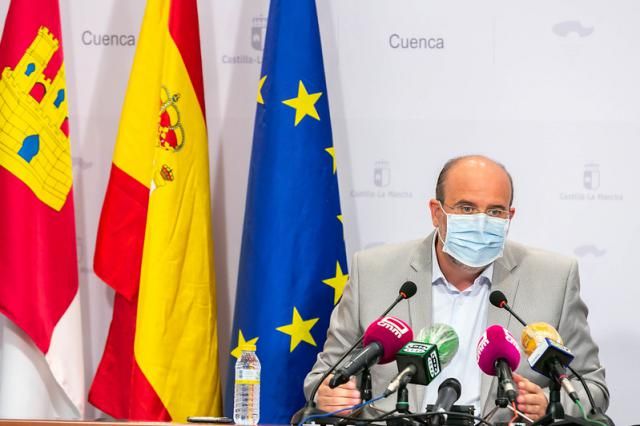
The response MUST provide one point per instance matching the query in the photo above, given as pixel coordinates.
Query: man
(455, 268)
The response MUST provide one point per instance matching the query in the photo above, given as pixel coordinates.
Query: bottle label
(248, 377)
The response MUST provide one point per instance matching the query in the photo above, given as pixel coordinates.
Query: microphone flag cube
(426, 359)
(546, 352)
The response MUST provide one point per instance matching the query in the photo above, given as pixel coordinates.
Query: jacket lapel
(507, 282)
(420, 304)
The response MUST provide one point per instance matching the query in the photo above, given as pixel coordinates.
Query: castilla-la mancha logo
(258, 31)
(591, 177)
(591, 182)
(257, 35)
(381, 174)
(382, 183)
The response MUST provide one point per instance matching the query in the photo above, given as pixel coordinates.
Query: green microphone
(444, 337)
(420, 361)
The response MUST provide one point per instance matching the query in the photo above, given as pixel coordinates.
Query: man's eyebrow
(497, 206)
(466, 202)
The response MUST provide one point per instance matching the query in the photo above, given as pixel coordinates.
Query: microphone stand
(501, 399)
(402, 407)
(402, 403)
(555, 412)
(365, 385)
(555, 409)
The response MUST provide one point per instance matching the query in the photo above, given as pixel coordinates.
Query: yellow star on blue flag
(299, 330)
(304, 104)
(241, 342)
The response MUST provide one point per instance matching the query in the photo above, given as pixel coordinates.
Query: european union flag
(293, 265)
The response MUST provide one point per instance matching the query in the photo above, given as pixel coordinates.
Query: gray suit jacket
(540, 286)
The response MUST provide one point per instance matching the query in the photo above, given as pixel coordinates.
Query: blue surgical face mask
(475, 239)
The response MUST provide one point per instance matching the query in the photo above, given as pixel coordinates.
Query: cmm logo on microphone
(484, 341)
(510, 338)
(394, 325)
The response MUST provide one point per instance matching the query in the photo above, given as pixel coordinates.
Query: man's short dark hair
(442, 177)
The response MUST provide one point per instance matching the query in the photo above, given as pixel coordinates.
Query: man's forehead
(475, 178)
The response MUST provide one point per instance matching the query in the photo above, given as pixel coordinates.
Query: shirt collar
(437, 277)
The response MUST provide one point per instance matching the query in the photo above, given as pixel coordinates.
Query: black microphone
(499, 300)
(448, 394)
(407, 290)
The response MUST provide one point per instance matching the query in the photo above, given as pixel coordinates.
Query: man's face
(476, 183)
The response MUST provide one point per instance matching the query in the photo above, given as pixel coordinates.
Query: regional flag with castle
(38, 263)
(154, 244)
(293, 265)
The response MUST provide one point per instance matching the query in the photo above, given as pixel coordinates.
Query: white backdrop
(549, 88)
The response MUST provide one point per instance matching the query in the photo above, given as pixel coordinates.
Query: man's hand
(531, 399)
(343, 396)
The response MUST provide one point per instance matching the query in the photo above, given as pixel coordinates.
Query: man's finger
(339, 392)
(525, 384)
(351, 384)
(335, 404)
(338, 402)
(531, 399)
(533, 412)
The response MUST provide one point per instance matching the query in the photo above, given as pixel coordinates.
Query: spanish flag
(154, 244)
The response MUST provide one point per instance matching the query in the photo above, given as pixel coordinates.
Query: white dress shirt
(466, 312)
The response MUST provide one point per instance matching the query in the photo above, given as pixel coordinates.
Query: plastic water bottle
(246, 401)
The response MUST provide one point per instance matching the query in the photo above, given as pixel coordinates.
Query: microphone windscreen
(408, 290)
(497, 343)
(444, 337)
(452, 383)
(391, 333)
(534, 334)
(497, 299)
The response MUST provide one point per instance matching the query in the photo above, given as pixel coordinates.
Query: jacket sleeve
(344, 330)
(574, 329)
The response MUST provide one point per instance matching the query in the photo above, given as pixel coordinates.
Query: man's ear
(436, 212)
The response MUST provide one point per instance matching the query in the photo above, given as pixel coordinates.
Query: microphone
(448, 394)
(498, 355)
(407, 290)
(547, 336)
(499, 300)
(422, 360)
(543, 345)
(382, 340)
